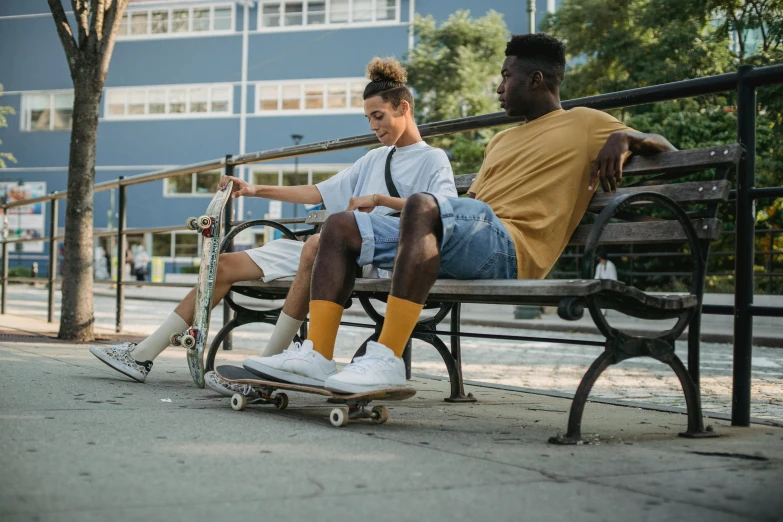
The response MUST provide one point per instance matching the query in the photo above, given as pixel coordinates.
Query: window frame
(25, 121)
(190, 33)
(327, 13)
(347, 83)
(193, 183)
(172, 257)
(282, 169)
(167, 115)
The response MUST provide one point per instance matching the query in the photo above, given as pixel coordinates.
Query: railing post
(743, 279)
(229, 214)
(5, 260)
(52, 275)
(120, 254)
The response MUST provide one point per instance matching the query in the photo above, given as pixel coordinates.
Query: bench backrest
(661, 174)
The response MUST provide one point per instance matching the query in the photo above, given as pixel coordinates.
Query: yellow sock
(401, 317)
(324, 321)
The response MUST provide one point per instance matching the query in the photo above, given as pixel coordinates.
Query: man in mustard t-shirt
(531, 192)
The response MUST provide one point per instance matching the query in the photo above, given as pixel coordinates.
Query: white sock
(160, 339)
(282, 335)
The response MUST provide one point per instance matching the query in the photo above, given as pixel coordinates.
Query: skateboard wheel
(380, 414)
(188, 341)
(339, 417)
(238, 402)
(204, 222)
(191, 223)
(281, 401)
(176, 339)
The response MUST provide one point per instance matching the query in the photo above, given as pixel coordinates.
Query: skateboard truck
(204, 224)
(186, 339)
(358, 410)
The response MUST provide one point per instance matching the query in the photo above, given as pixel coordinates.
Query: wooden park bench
(683, 187)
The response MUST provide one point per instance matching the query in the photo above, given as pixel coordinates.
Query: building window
(287, 175)
(162, 102)
(176, 21)
(176, 244)
(294, 15)
(312, 96)
(200, 184)
(47, 111)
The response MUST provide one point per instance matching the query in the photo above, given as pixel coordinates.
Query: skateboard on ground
(353, 406)
(194, 339)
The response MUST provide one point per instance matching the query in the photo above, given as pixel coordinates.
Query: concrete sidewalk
(80, 442)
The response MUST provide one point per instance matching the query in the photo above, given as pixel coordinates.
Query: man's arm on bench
(609, 163)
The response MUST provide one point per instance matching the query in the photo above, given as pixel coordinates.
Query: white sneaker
(378, 369)
(302, 365)
(224, 387)
(119, 357)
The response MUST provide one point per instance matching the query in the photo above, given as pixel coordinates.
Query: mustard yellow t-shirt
(535, 178)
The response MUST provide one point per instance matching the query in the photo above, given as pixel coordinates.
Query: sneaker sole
(108, 361)
(349, 389)
(222, 390)
(283, 377)
(219, 388)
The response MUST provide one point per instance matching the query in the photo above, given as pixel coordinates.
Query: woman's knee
(310, 249)
(228, 266)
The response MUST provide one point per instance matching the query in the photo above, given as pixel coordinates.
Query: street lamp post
(297, 138)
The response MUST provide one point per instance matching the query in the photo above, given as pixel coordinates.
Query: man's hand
(609, 163)
(363, 203)
(239, 188)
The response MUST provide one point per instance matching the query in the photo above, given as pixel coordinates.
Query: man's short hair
(545, 53)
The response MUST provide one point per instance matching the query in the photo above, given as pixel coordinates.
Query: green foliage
(4, 111)
(623, 44)
(454, 70)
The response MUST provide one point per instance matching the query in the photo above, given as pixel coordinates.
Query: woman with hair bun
(362, 188)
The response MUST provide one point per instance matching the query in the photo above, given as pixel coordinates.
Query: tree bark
(88, 61)
(76, 315)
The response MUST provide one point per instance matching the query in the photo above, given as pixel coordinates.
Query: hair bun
(386, 70)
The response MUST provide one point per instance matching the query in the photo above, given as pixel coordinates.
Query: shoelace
(369, 362)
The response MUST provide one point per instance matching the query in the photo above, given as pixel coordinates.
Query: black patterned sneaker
(118, 357)
(224, 387)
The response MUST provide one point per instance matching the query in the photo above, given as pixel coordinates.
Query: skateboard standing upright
(194, 339)
(353, 406)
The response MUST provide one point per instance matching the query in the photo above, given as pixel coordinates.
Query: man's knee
(310, 248)
(421, 205)
(421, 209)
(341, 227)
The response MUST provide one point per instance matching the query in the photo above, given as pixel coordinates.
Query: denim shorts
(475, 245)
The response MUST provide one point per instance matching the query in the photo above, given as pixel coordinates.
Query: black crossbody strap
(389, 183)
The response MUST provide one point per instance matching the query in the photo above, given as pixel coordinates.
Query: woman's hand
(363, 203)
(239, 188)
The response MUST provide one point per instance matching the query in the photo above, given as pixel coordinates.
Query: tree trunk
(76, 317)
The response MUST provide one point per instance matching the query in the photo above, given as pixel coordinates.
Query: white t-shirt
(606, 271)
(415, 168)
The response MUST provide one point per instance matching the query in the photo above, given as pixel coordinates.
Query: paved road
(544, 366)
(81, 443)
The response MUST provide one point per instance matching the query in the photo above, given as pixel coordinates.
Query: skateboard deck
(354, 406)
(194, 339)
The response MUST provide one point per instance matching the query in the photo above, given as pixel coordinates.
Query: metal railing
(745, 82)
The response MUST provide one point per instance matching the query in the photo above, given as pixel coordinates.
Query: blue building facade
(196, 80)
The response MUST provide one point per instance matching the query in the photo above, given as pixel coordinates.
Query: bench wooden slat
(517, 291)
(652, 232)
(694, 192)
(692, 160)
